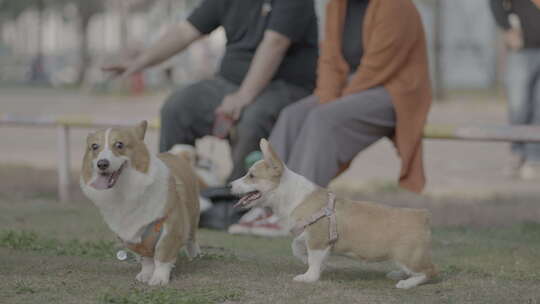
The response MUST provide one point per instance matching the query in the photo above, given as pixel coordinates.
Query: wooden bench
(63, 124)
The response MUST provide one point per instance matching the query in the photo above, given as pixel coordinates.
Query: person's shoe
(246, 222)
(269, 227)
(513, 168)
(530, 171)
(204, 204)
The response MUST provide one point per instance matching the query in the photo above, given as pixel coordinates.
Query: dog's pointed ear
(270, 156)
(140, 129)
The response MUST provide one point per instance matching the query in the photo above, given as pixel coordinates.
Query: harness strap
(149, 238)
(328, 211)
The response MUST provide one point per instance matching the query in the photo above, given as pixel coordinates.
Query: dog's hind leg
(397, 275)
(418, 266)
(299, 248)
(192, 246)
(192, 249)
(415, 280)
(316, 259)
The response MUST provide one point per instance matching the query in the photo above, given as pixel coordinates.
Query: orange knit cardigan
(395, 56)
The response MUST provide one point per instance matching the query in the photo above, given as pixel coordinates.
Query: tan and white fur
(366, 231)
(207, 176)
(133, 188)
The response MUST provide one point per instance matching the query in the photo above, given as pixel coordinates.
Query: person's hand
(121, 71)
(513, 39)
(233, 104)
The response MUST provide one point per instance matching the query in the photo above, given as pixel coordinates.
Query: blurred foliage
(86, 9)
(13, 8)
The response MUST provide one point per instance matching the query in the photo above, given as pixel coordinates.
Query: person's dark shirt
(245, 22)
(528, 13)
(352, 45)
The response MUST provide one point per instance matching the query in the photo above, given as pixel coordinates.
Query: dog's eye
(251, 175)
(94, 147)
(119, 145)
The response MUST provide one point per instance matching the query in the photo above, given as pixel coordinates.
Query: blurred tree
(86, 9)
(12, 9)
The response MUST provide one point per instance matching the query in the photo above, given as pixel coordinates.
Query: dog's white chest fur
(137, 200)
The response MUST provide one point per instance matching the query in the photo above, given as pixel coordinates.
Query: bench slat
(432, 131)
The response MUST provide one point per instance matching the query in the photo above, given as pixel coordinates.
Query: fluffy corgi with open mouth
(151, 202)
(324, 224)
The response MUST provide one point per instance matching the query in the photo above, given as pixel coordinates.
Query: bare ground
(487, 251)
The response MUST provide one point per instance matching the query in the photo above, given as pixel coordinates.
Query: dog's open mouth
(248, 198)
(107, 180)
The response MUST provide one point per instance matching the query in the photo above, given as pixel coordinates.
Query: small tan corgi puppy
(150, 201)
(324, 224)
(207, 174)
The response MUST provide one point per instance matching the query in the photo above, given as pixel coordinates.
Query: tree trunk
(40, 9)
(124, 15)
(438, 87)
(37, 67)
(84, 52)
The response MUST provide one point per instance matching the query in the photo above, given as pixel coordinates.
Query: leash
(329, 212)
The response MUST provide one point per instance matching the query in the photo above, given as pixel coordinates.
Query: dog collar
(149, 238)
(327, 211)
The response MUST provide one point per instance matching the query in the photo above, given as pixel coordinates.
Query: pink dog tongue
(101, 182)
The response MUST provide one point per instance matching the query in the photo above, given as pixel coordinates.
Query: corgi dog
(325, 224)
(205, 170)
(149, 201)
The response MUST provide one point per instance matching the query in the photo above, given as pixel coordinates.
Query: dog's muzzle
(106, 180)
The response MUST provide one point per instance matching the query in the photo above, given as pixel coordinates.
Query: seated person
(269, 62)
(372, 82)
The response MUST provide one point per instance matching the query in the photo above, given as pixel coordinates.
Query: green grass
(170, 296)
(22, 287)
(505, 253)
(29, 241)
(476, 265)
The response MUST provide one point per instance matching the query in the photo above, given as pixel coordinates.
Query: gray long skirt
(316, 140)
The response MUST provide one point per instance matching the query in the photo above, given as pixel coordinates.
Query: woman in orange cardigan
(372, 82)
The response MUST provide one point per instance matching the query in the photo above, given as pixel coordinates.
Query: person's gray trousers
(523, 91)
(315, 140)
(188, 114)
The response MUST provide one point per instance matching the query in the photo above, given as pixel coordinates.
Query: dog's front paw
(306, 278)
(403, 284)
(144, 276)
(158, 280)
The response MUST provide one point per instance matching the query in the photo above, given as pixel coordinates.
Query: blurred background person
(520, 21)
(372, 82)
(269, 62)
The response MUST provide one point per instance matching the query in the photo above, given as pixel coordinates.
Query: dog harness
(329, 212)
(149, 239)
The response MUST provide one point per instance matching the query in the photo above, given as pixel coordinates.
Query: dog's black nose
(103, 164)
